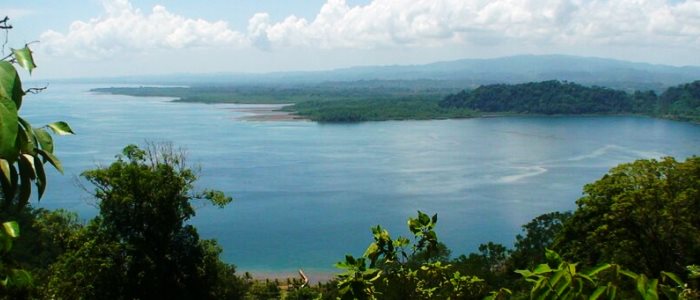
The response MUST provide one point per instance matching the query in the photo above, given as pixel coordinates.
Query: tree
(489, 264)
(539, 234)
(140, 246)
(641, 215)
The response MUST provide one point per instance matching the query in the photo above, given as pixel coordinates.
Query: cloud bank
(395, 23)
(124, 28)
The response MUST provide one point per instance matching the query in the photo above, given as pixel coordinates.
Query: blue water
(307, 193)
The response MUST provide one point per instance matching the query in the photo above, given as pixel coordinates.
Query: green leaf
(669, 292)
(24, 58)
(61, 128)
(29, 132)
(641, 285)
(572, 269)
(612, 291)
(597, 269)
(26, 174)
(372, 249)
(44, 138)
(524, 273)
(552, 256)
(562, 287)
(694, 271)
(52, 159)
(542, 268)
(673, 277)
(25, 140)
(629, 274)
(5, 168)
(558, 275)
(651, 292)
(350, 260)
(11, 228)
(10, 84)
(423, 218)
(10, 188)
(21, 278)
(599, 291)
(8, 128)
(40, 176)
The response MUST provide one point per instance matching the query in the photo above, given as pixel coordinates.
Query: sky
(105, 38)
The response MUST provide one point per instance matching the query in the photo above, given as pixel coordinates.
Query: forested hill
(555, 97)
(681, 102)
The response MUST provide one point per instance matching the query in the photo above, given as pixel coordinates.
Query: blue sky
(121, 37)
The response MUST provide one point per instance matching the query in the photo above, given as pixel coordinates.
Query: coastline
(264, 112)
(315, 276)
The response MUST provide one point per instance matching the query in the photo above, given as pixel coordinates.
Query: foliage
(546, 97)
(377, 109)
(555, 97)
(303, 293)
(384, 272)
(13, 279)
(262, 93)
(24, 150)
(642, 215)
(607, 281)
(264, 290)
(490, 264)
(539, 235)
(45, 236)
(681, 102)
(139, 246)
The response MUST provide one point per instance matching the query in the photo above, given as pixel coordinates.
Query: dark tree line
(556, 97)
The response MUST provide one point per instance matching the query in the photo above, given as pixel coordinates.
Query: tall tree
(642, 215)
(140, 246)
(539, 234)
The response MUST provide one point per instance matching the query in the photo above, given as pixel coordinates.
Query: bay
(308, 193)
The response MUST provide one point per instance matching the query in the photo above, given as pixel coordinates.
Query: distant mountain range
(464, 73)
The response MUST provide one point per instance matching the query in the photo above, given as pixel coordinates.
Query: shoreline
(315, 276)
(264, 112)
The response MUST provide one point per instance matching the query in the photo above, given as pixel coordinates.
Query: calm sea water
(307, 193)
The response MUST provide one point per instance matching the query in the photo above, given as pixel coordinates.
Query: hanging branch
(6, 27)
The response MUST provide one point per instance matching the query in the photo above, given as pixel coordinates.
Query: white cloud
(473, 22)
(397, 23)
(124, 28)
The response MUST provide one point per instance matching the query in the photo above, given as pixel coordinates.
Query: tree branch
(6, 27)
(36, 90)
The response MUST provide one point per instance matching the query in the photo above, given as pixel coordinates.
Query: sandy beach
(264, 112)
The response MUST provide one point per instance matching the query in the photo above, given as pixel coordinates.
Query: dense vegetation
(555, 97)
(547, 97)
(289, 94)
(408, 108)
(681, 102)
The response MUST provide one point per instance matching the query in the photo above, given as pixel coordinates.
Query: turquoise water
(307, 193)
